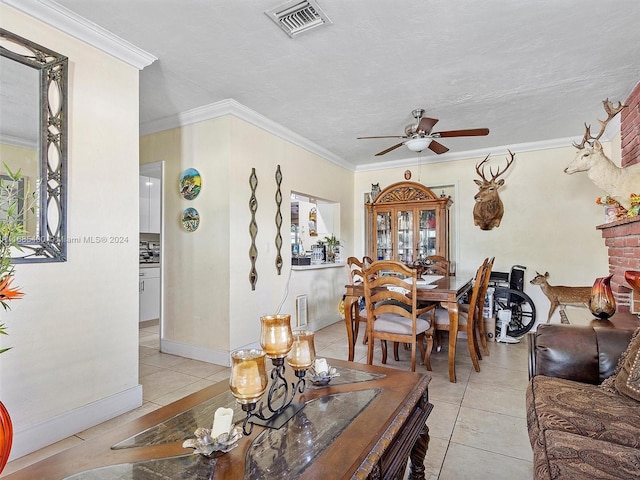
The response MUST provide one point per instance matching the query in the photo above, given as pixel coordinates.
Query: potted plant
(332, 242)
(13, 205)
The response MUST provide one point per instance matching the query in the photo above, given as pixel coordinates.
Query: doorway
(151, 256)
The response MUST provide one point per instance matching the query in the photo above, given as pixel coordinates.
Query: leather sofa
(580, 428)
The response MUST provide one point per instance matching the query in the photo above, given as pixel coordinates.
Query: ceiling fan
(419, 135)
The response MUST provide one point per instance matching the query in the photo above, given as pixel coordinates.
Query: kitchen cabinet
(149, 289)
(150, 208)
(407, 222)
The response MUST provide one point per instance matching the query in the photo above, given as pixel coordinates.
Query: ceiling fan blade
(426, 124)
(471, 132)
(383, 136)
(389, 149)
(437, 147)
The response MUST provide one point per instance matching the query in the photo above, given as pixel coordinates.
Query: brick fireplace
(622, 237)
(623, 241)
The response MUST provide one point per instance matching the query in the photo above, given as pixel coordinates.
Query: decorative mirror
(33, 138)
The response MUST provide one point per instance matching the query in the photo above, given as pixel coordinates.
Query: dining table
(446, 290)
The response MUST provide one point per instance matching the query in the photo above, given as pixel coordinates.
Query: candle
(222, 421)
(248, 379)
(275, 335)
(321, 366)
(302, 351)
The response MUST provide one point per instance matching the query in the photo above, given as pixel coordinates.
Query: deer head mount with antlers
(489, 209)
(618, 183)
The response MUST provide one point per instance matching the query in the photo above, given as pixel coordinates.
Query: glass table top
(288, 451)
(182, 426)
(282, 453)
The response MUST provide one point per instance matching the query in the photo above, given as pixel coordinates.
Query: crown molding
(18, 141)
(65, 20)
(232, 107)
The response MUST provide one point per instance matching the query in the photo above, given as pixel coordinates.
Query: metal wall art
(278, 221)
(253, 229)
(190, 183)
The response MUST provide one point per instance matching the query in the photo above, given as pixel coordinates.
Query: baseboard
(218, 357)
(222, 357)
(149, 323)
(69, 423)
(320, 323)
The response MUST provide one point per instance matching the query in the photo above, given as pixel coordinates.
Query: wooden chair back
(438, 265)
(387, 291)
(467, 319)
(390, 292)
(479, 310)
(355, 268)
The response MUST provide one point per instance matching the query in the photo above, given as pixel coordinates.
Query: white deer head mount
(618, 183)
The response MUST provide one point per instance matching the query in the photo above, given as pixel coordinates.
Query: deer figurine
(488, 210)
(560, 296)
(618, 183)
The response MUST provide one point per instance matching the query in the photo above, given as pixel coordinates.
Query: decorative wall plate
(190, 219)
(190, 183)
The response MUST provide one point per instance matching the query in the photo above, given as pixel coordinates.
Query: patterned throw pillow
(628, 378)
(609, 384)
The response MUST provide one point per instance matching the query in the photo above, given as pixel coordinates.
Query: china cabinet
(407, 222)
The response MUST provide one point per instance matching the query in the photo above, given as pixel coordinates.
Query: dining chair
(438, 265)
(355, 267)
(390, 292)
(479, 310)
(466, 319)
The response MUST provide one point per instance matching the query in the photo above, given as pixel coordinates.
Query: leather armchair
(586, 354)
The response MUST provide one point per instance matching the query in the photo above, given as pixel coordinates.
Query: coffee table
(364, 424)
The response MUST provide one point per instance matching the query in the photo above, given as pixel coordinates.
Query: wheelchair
(508, 294)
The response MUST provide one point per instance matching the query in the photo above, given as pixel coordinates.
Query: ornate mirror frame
(49, 242)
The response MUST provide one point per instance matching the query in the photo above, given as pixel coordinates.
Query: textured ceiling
(530, 71)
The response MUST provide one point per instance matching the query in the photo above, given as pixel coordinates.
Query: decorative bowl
(205, 445)
(320, 379)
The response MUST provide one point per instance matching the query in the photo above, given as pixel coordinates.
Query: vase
(633, 279)
(6, 436)
(601, 303)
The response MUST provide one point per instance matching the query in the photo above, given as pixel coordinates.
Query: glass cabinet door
(384, 245)
(428, 233)
(406, 244)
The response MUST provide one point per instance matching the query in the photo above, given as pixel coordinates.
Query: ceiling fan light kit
(417, 144)
(420, 136)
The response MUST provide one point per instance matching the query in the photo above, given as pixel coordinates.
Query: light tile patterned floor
(478, 426)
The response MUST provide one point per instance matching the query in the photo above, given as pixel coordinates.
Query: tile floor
(478, 426)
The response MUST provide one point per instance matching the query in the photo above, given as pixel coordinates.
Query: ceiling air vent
(296, 17)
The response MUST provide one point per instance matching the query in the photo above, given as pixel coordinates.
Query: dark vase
(633, 278)
(601, 303)
(6, 436)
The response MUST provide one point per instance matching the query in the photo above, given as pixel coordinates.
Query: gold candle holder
(276, 337)
(248, 380)
(302, 353)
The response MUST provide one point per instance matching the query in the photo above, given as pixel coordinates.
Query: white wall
(196, 264)
(209, 308)
(74, 335)
(548, 225)
(302, 172)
